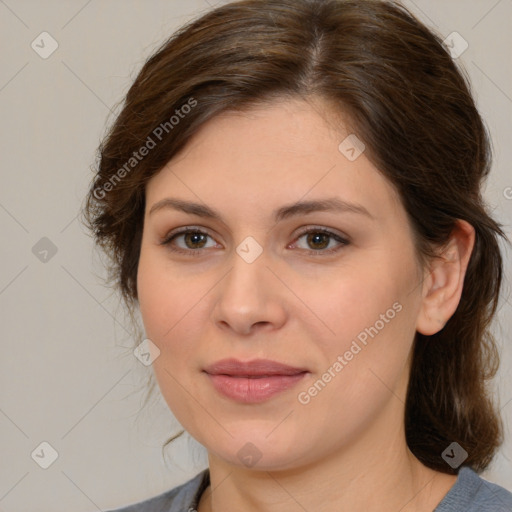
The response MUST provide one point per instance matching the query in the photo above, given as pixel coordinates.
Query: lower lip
(253, 390)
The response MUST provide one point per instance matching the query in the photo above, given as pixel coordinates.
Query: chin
(254, 448)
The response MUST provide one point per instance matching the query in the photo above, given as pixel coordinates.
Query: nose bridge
(247, 295)
(248, 276)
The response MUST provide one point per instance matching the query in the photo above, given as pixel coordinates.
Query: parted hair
(396, 86)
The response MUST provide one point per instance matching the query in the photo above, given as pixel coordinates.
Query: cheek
(155, 297)
(163, 297)
(175, 310)
(344, 305)
(366, 331)
(363, 366)
(168, 308)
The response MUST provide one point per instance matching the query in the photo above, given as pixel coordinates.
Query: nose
(249, 298)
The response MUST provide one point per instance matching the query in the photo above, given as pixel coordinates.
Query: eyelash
(198, 252)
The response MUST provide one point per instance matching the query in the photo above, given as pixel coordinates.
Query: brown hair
(393, 81)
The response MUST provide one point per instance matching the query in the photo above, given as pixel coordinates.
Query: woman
(291, 196)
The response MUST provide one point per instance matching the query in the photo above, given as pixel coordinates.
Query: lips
(255, 368)
(252, 381)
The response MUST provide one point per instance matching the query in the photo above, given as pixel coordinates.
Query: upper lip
(256, 367)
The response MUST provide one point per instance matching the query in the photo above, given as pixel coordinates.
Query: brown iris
(314, 239)
(194, 239)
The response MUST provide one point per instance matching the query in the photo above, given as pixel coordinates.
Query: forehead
(269, 155)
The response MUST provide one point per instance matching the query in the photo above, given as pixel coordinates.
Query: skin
(346, 448)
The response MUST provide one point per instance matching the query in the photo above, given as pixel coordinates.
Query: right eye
(193, 238)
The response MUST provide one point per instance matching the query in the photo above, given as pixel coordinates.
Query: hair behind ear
(448, 399)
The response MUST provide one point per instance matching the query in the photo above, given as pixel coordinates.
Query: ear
(442, 287)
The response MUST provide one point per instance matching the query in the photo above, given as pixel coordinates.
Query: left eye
(320, 240)
(194, 239)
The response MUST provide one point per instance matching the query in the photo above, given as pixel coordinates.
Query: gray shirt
(470, 493)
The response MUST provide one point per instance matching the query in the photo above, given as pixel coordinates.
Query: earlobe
(442, 287)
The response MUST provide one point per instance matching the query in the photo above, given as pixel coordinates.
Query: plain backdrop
(68, 376)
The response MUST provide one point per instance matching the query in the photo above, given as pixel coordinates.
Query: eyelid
(183, 230)
(322, 229)
(342, 239)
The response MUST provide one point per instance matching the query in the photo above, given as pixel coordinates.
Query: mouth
(253, 368)
(253, 381)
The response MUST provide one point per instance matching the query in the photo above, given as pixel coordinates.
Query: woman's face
(265, 279)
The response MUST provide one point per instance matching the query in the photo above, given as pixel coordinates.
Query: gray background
(68, 375)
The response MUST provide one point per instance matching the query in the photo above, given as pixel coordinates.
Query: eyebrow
(301, 207)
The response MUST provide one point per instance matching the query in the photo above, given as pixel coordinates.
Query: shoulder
(178, 499)
(471, 493)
